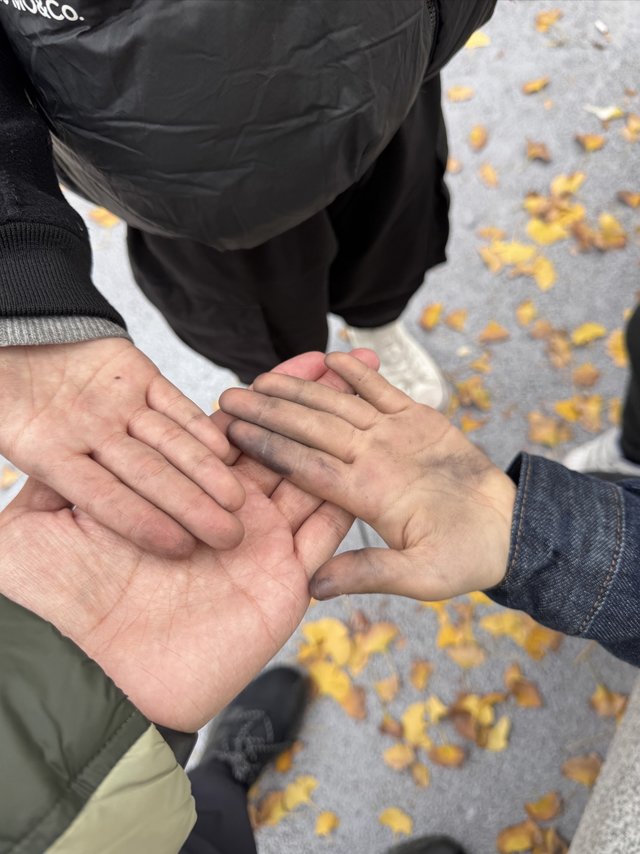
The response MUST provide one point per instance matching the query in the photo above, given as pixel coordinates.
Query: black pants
(223, 825)
(363, 258)
(630, 441)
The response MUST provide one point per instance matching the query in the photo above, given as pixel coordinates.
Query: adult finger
(368, 383)
(369, 570)
(165, 398)
(188, 455)
(313, 428)
(35, 496)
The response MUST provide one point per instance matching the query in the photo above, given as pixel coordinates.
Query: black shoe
(260, 723)
(429, 845)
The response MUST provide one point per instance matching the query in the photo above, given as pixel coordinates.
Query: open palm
(180, 637)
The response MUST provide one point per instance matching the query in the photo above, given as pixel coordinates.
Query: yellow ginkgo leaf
(537, 85)
(545, 20)
(631, 200)
(473, 393)
(457, 94)
(546, 233)
(545, 808)
(299, 792)
(468, 424)
(489, 232)
(330, 679)
(397, 820)
(591, 141)
(447, 755)
(611, 235)
(489, 175)
(271, 810)
(103, 217)
(326, 638)
(415, 726)
(586, 375)
(586, 333)
(478, 137)
(399, 756)
(421, 670)
(387, 688)
(326, 823)
(490, 258)
(435, 708)
(457, 319)
(518, 838)
(567, 185)
(430, 316)
(538, 151)
(608, 703)
(493, 333)
(512, 252)
(478, 39)
(526, 312)
(617, 348)
(583, 769)
(498, 735)
(467, 655)
(420, 774)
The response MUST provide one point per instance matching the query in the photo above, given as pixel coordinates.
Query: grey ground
(472, 803)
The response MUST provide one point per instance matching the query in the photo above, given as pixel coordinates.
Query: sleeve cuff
(29, 331)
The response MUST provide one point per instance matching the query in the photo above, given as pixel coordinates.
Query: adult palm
(180, 637)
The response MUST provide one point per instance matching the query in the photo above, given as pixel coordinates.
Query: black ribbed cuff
(46, 270)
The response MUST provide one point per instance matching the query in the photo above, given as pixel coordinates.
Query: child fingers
(367, 383)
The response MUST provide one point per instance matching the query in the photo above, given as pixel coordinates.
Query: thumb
(366, 571)
(36, 496)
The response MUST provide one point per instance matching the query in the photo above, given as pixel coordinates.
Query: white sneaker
(602, 454)
(404, 363)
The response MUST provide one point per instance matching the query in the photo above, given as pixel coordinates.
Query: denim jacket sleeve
(574, 561)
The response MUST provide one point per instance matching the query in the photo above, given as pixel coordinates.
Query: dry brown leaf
(355, 703)
(591, 141)
(584, 235)
(537, 85)
(390, 726)
(284, 760)
(103, 217)
(478, 39)
(454, 166)
(552, 843)
(299, 792)
(457, 319)
(545, 808)
(524, 692)
(270, 811)
(586, 333)
(326, 823)
(540, 640)
(468, 424)
(473, 393)
(608, 703)
(586, 376)
(491, 259)
(491, 233)
(467, 655)
(457, 94)
(518, 838)
(541, 330)
(482, 364)
(478, 137)
(545, 20)
(430, 316)
(420, 774)
(559, 348)
(8, 476)
(448, 755)
(386, 689)
(421, 670)
(583, 769)
(538, 151)
(399, 756)
(547, 431)
(397, 820)
(632, 200)
(489, 175)
(526, 312)
(617, 348)
(631, 132)
(493, 333)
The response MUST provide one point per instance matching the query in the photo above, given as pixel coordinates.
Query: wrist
(501, 491)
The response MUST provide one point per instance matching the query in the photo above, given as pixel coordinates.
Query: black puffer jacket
(227, 121)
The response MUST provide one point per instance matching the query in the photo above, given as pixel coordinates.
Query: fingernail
(324, 588)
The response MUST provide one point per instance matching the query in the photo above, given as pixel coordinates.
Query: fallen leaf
(512, 252)
(397, 820)
(326, 638)
(617, 348)
(526, 312)
(631, 131)
(518, 837)
(605, 114)
(386, 689)
(545, 808)
(608, 703)
(435, 708)
(542, 270)
(546, 20)
(482, 364)
(488, 175)
(430, 317)
(478, 137)
(399, 756)
(270, 811)
(415, 726)
(540, 640)
(491, 259)
(632, 200)
(538, 151)
(420, 774)
(591, 141)
(473, 393)
(615, 411)
(583, 769)
(546, 233)
(467, 655)
(498, 736)
(447, 755)
(552, 843)
(586, 375)
(330, 680)
(493, 333)
(390, 726)
(611, 235)
(103, 217)
(8, 476)
(587, 333)
(421, 670)
(326, 823)
(491, 233)
(524, 692)
(567, 185)
(299, 792)
(537, 85)
(478, 39)
(457, 319)
(454, 166)
(355, 703)
(547, 431)
(284, 760)
(457, 94)
(468, 424)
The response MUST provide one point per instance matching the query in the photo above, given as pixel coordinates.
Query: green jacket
(81, 770)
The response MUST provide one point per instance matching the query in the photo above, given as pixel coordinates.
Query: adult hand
(97, 423)
(439, 503)
(180, 637)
